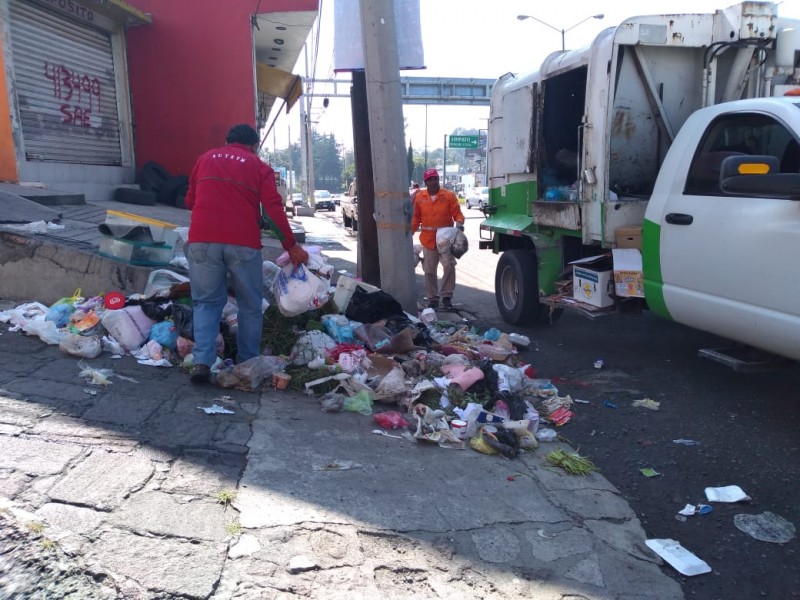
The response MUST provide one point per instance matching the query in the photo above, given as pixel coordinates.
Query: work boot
(201, 374)
(433, 303)
(447, 303)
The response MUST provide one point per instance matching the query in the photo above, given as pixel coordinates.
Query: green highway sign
(464, 141)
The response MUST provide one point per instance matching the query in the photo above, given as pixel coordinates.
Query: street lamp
(561, 31)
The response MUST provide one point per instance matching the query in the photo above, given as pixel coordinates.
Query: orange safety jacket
(431, 214)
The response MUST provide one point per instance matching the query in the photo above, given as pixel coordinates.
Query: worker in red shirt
(227, 187)
(435, 208)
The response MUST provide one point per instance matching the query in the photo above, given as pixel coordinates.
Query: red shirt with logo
(226, 189)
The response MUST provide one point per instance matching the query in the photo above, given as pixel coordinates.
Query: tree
(327, 162)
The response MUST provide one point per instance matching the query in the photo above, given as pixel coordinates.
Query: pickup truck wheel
(516, 285)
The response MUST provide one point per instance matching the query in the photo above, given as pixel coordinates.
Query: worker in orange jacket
(435, 208)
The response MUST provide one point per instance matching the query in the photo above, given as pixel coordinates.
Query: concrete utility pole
(392, 203)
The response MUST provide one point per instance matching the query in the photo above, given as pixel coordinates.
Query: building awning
(278, 83)
(120, 12)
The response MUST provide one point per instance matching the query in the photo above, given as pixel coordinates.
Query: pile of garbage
(350, 345)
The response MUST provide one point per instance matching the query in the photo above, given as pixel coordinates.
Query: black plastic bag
(368, 307)
(183, 315)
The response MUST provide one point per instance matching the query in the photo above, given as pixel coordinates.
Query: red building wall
(191, 75)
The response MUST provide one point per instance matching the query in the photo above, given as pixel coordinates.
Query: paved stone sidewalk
(126, 480)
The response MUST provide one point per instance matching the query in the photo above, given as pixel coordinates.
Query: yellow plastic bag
(478, 443)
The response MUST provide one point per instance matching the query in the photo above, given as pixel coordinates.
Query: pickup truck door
(729, 264)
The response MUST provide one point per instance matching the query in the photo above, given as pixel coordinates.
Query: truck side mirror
(757, 175)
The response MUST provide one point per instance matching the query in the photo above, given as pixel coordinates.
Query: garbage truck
(659, 165)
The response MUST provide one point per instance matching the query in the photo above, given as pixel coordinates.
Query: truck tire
(152, 176)
(516, 288)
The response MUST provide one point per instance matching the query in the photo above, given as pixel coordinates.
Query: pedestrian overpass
(418, 90)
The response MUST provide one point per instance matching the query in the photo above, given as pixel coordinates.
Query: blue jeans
(209, 265)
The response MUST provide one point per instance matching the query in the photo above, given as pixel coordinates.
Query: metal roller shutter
(65, 88)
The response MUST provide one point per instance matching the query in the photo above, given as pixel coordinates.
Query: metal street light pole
(561, 31)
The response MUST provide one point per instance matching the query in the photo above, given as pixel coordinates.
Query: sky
(474, 38)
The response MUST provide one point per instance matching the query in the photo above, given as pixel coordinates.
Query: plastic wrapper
(339, 328)
(332, 402)
(360, 403)
(253, 372)
(80, 345)
(374, 337)
(390, 420)
(392, 387)
(95, 376)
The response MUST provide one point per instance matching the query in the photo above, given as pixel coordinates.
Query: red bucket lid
(114, 300)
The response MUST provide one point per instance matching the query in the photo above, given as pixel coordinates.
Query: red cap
(114, 300)
(429, 173)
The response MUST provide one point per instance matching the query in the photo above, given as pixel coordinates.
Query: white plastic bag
(161, 280)
(83, 346)
(129, 326)
(445, 236)
(460, 244)
(297, 290)
(310, 345)
(44, 330)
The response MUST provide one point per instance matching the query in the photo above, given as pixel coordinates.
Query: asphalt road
(746, 425)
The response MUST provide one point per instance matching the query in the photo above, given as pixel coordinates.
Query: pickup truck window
(737, 135)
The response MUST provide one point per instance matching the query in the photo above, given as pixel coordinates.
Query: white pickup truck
(722, 226)
(684, 127)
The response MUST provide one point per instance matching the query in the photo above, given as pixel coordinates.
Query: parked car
(479, 198)
(297, 199)
(323, 200)
(337, 199)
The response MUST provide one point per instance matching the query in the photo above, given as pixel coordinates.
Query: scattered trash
(608, 404)
(332, 402)
(766, 527)
(683, 442)
(572, 462)
(648, 472)
(281, 380)
(581, 401)
(547, 435)
(95, 376)
(731, 493)
(646, 403)
(459, 428)
(599, 364)
(215, 409)
(386, 434)
(690, 510)
(90, 392)
(678, 557)
(390, 420)
(560, 416)
(339, 465)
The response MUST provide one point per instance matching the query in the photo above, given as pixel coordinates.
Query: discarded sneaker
(201, 374)
(447, 302)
